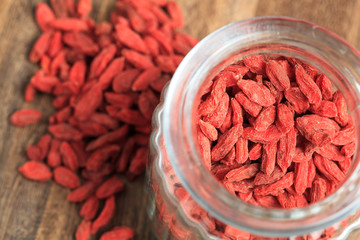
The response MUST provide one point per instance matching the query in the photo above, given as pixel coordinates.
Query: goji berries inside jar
(197, 194)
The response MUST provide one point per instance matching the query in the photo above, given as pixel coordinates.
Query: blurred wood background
(31, 210)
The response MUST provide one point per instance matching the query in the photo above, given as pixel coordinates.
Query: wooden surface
(31, 210)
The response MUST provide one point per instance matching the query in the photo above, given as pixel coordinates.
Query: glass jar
(186, 202)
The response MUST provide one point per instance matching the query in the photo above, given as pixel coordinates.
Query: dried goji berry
(107, 138)
(25, 117)
(297, 99)
(318, 190)
(109, 187)
(131, 39)
(44, 145)
(209, 130)
(276, 187)
(344, 136)
(88, 103)
(138, 163)
(66, 178)
(285, 119)
(265, 118)
(40, 47)
(143, 81)
(330, 151)
(35, 171)
(44, 15)
(69, 157)
(251, 107)
(268, 158)
(307, 85)
(277, 75)
(205, 147)
(82, 193)
(30, 92)
(54, 158)
(324, 109)
(211, 103)
(316, 129)
(348, 150)
(226, 142)
(123, 233)
(34, 153)
(301, 177)
(69, 24)
(256, 64)
(82, 42)
(257, 93)
(262, 178)
(124, 158)
(137, 59)
(270, 135)
(89, 208)
(325, 86)
(217, 117)
(84, 7)
(255, 151)
(105, 216)
(98, 157)
(244, 172)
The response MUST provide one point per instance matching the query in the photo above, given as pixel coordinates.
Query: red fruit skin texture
(83, 231)
(122, 232)
(44, 15)
(105, 216)
(35, 171)
(277, 75)
(25, 117)
(66, 178)
(226, 142)
(89, 208)
(109, 187)
(257, 93)
(307, 85)
(265, 118)
(82, 193)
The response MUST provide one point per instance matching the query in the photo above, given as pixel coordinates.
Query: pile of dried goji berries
(106, 79)
(274, 132)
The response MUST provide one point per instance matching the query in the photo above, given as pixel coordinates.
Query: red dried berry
(83, 230)
(105, 216)
(25, 117)
(89, 208)
(82, 193)
(307, 85)
(35, 171)
(110, 187)
(257, 93)
(66, 178)
(277, 75)
(123, 233)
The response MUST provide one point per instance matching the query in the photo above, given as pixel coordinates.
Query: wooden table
(31, 210)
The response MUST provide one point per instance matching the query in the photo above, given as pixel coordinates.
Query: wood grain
(30, 210)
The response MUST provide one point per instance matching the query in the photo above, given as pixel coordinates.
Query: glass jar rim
(177, 126)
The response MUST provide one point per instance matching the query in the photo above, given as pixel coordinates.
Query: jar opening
(271, 35)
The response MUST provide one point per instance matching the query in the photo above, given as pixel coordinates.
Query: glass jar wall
(186, 202)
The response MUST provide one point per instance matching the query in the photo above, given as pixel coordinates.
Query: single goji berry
(105, 216)
(109, 187)
(66, 178)
(25, 117)
(35, 171)
(123, 233)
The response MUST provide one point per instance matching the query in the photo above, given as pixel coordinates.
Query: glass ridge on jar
(178, 182)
